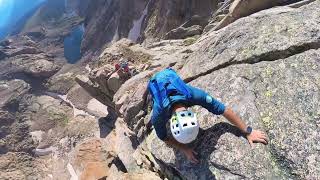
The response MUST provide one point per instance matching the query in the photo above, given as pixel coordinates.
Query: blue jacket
(198, 97)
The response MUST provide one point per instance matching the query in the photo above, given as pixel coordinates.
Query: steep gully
(135, 31)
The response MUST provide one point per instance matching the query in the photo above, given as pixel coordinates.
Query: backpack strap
(158, 86)
(154, 87)
(180, 85)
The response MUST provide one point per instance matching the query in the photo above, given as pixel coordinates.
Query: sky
(5, 11)
(13, 10)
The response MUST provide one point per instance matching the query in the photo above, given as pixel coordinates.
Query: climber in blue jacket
(172, 98)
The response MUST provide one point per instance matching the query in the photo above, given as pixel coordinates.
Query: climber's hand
(190, 153)
(257, 136)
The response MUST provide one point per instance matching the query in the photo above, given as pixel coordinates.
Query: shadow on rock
(205, 146)
(106, 124)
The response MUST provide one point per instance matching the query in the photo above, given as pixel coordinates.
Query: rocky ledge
(265, 66)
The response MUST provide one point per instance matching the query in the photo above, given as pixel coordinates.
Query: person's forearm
(173, 143)
(235, 119)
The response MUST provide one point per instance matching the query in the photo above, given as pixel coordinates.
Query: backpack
(165, 83)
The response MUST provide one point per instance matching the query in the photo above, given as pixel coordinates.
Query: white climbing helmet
(184, 126)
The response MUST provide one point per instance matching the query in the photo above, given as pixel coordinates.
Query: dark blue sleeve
(201, 98)
(159, 125)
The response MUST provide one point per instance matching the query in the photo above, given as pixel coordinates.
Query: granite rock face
(15, 141)
(261, 94)
(25, 57)
(265, 36)
(109, 21)
(264, 66)
(19, 166)
(240, 8)
(181, 32)
(149, 21)
(272, 83)
(11, 92)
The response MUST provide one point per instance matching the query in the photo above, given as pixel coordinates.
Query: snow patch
(72, 172)
(76, 111)
(4, 86)
(44, 152)
(116, 34)
(135, 31)
(37, 135)
(88, 68)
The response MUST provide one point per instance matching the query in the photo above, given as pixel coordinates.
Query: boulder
(11, 52)
(61, 83)
(19, 166)
(15, 135)
(92, 160)
(63, 139)
(12, 91)
(36, 33)
(242, 8)
(45, 112)
(35, 65)
(114, 82)
(124, 50)
(100, 77)
(94, 170)
(118, 175)
(79, 97)
(195, 20)
(131, 98)
(95, 91)
(14, 132)
(182, 32)
(96, 108)
(31, 65)
(5, 42)
(22, 50)
(124, 146)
